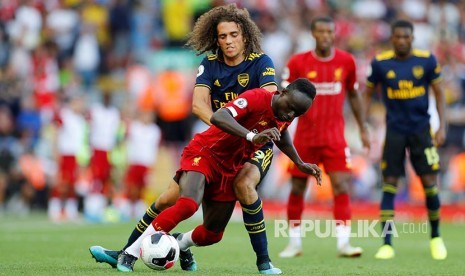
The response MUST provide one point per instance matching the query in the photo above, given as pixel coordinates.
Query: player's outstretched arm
(287, 147)
(224, 120)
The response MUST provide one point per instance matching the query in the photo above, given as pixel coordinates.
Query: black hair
(304, 86)
(324, 19)
(401, 23)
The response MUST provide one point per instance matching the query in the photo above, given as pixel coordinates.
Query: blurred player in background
(209, 163)
(236, 65)
(142, 144)
(319, 136)
(104, 125)
(71, 128)
(404, 75)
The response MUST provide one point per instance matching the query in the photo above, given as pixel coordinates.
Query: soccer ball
(159, 251)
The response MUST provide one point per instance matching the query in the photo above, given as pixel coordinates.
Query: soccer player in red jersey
(71, 125)
(319, 136)
(234, 64)
(211, 160)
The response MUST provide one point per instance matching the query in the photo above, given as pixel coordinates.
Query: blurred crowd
(91, 78)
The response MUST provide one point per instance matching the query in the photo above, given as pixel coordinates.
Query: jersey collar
(330, 57)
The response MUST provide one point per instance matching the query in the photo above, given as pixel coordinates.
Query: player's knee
(298, 186)
(429, 180)
(246, 183)
(204, 237)
(241, 185)
(340, 188)
(164, 202)
(340, 182)
(245, 191)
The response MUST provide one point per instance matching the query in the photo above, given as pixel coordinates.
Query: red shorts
(100, 166)
(333, 158)
(136, 176)
(219, 186)
(68, 170)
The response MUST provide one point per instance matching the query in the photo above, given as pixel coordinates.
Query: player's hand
(311, 169)
(271, 134)
(440, 137)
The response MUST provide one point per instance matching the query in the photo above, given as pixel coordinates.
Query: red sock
(342, 208)
(295, 208)
(184, 208)
(201, 236)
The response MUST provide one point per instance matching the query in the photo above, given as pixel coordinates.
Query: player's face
(401, 40)
(291, 105)
(231, 41)
(323, 33)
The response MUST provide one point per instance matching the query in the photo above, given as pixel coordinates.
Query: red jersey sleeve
(244, 104)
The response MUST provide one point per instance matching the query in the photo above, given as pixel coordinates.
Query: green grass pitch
(34, 246)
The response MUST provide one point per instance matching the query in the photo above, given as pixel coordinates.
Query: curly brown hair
(204, 36)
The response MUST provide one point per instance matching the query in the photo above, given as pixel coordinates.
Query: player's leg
(425, 160)
(433, 205)
(132, 204)
(392, 167)
(295, 208)
(340, 182)
(216, 216)
(245, 188)
(389, 190)
(295, 204)
(96, 201)
(58, 191)
(166, 199)
(336, 161)
(192, 186)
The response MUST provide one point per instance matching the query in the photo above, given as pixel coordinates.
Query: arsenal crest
(243, 79)
(418, 72)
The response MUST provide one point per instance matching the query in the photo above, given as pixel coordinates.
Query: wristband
(250, 136)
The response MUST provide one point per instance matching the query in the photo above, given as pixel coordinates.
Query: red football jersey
(332, 77)
(252, 109)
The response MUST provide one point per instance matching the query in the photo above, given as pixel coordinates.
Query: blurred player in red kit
(319, 136)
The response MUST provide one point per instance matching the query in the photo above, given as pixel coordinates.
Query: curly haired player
(236, 64)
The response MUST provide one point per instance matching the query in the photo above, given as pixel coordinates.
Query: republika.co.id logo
(360, 228)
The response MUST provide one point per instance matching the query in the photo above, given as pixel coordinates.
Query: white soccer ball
(159, 251)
